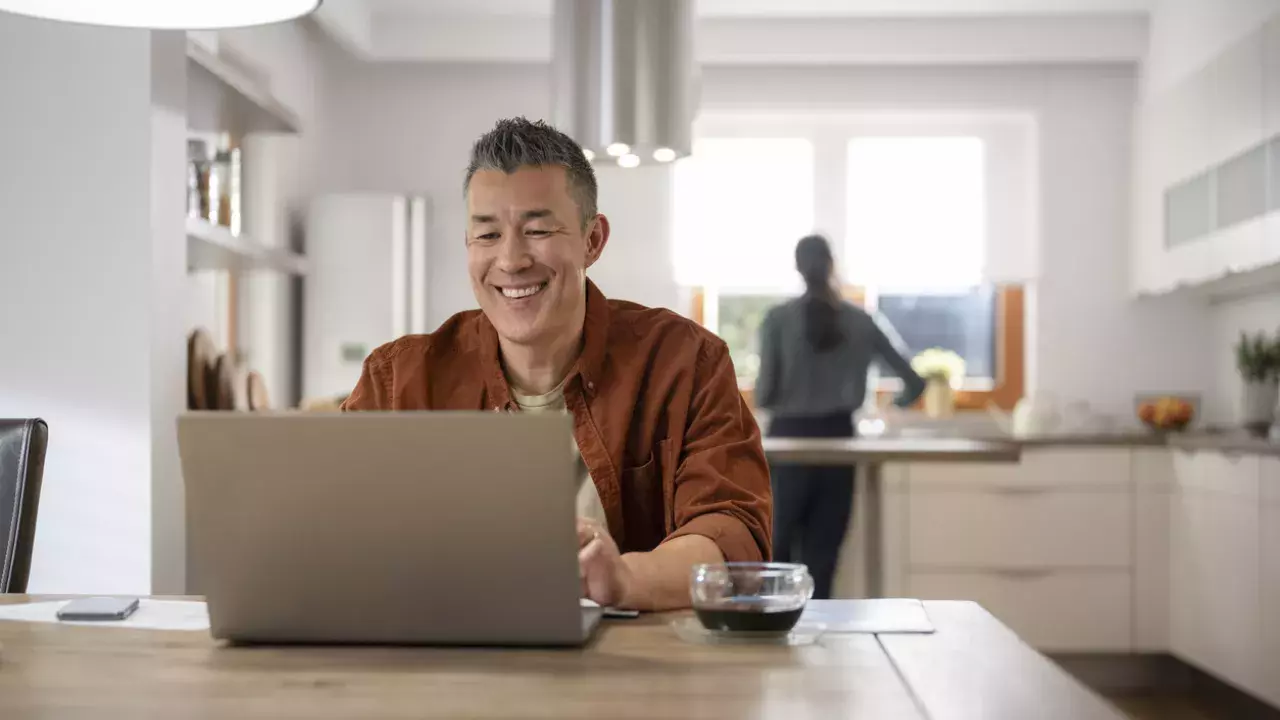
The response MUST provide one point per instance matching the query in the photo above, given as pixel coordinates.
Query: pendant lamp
(164, 14)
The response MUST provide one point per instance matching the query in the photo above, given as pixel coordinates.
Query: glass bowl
(750, 597)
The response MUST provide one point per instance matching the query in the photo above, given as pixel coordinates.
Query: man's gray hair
(518, 142)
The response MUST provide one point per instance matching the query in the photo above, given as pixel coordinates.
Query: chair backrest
(22, 449)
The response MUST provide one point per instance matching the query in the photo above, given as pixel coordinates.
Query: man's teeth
(524, 292)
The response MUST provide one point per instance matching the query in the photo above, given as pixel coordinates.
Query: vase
(939, 398)
(1258, 405)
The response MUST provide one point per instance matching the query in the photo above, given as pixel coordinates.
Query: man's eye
(537, 233)
(488, 237)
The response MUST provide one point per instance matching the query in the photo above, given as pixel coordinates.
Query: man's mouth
(523, 291)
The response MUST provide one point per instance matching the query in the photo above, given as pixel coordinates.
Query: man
(677, 471)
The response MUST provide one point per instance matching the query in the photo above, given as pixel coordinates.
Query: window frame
(1010, 381)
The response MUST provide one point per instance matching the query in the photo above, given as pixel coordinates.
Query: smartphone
(98, 609)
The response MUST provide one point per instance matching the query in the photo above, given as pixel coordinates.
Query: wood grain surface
(971, 668)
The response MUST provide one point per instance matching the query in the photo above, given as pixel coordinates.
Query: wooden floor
(1162, 707)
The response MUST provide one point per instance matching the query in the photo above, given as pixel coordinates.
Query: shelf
(223, 97)
(213, 247)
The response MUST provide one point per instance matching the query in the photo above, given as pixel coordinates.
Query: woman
(815, 352)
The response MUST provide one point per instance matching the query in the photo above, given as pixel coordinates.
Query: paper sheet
(151, 615)
(893, 615)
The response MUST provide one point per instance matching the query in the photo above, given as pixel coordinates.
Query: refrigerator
(367, 284)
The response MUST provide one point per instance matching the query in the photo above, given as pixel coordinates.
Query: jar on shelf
(224, 185)
(198, 167)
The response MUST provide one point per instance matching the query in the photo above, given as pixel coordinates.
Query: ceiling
(765, 31)
(783, 8)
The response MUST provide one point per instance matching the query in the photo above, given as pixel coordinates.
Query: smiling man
(677, 475)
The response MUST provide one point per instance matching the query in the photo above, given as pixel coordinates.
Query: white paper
(151, 615)
(880, 616)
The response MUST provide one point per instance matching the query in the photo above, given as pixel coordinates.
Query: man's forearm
(660, 577)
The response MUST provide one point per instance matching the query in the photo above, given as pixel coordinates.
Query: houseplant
(943, 373)
(1258, 361)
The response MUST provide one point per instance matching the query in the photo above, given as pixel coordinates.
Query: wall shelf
(224, 97)
(213, 247)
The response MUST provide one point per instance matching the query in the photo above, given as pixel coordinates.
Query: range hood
(624, 80)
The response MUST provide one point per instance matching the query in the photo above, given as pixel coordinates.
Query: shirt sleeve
(892, 350)
(722, 480)
(373, 389)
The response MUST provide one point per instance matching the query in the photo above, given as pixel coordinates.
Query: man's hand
(606, 579)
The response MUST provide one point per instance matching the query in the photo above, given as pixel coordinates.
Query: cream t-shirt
(588, 501)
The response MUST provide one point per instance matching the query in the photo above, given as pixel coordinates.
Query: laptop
(438, 528)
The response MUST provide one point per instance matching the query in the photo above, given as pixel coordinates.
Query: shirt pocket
(645, 491)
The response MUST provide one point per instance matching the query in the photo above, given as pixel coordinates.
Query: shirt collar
(595, 333)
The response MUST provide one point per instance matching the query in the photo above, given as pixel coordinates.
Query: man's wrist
(633, 591)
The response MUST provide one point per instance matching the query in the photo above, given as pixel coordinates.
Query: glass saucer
(692, 631)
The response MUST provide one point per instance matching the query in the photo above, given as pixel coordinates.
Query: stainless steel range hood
(624, 78)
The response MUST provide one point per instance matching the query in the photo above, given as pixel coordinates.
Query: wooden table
(869, 454)
(973, 667)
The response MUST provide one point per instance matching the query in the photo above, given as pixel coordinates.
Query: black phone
(98, 609)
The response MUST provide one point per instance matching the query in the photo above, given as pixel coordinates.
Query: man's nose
(513, 254)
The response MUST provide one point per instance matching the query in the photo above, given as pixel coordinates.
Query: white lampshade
(164, 14)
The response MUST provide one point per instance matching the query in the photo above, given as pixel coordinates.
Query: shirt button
(591, 386)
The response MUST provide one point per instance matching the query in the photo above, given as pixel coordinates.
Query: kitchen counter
(850, 451)
(1229, 442)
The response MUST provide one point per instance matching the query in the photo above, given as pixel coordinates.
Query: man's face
(528, 252)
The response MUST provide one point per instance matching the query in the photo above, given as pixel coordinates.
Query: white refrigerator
(367, 284)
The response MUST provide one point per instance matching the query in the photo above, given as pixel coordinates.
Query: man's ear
(597, 238)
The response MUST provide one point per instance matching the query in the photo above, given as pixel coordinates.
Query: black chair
(22, 447)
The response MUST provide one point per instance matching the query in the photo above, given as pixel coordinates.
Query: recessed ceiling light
(590, 155)
(618, 149)
(164, 14)
(629, 161)
(664, 155)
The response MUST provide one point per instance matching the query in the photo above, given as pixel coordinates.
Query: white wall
(1088, 340)
(89, 270)
(1185, 34)
(409, 129)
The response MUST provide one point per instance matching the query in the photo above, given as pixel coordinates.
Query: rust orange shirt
(671, 446)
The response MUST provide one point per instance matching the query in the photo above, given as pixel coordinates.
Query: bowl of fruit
(1166, 413)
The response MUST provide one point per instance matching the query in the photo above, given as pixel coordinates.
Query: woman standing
(815, 352)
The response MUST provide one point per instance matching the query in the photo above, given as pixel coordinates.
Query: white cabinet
(1044, 544)
(1201, 173)
(1053, 610)
(1153, 492)
(1020, 528)
(1270, 579)
(1215, 612)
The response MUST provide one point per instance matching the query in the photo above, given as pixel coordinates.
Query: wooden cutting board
(201, 355)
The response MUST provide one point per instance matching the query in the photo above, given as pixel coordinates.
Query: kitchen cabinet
(1206, 196)
(1046, 544)
(1269, 508)
(1053, 610)
(1153, 485)
(1215, 611)
(1020, 528)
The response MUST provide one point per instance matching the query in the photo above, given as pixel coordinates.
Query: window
(963, 322)
(915, 219)
(740, 205)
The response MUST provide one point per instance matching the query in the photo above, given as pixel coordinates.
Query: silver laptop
(449, 528)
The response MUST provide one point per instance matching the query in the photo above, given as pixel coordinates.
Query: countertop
(1229, 442)
(821, 451)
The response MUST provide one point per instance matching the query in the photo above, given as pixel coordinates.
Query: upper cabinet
(1205, 204)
